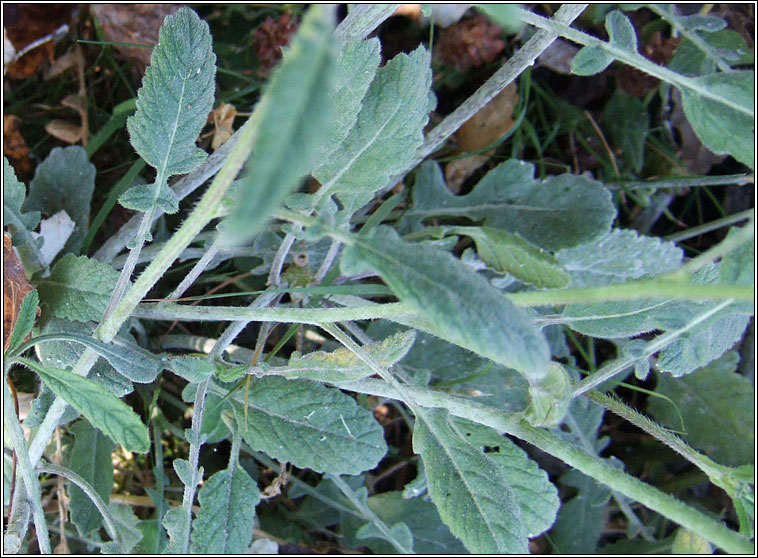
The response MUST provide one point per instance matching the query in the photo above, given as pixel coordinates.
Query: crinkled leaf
(509, 198)
(224, 524)
(620, 255)
(192, 369)
(454, 302)
(27, 314)
(311, 426)
(127, 526)
(90, 458)
(176, 96)
(509, 253)
(722, 129)
(388, 131)
(550, 397)
(356, 67)
(144, 196)
(459, 371)
(65, 354)
(399, 533)
(470, 490)
(78, 288)
(738, 266)
(430, 535)
(175, 521)
(536, 495)
(343, 365)
(294, 117)
(103, 409)
(626, 120)
(717, 408)
(65, 181)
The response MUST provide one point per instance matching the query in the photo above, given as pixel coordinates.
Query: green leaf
(550, 397)
(27, 313)
(343, 365)
(19, 223)
(172, 106)
(387, 133)
(430, 535)
(128, 359)
(127, 525)
(294, 117)
(726, 45)
(716, 406)
(175, 522)
(65, 181)
(311, 426)
(722, 129)
(627, 121)
(356, 67)
(144, 197)
(453, 301)
(688, 542)
(505, 15)
(90, 458)
(509, 253)
(65, 354)
(590, 60)
(581, 520)
(104, 410)
(509, 198)
(738, 266)
(470, 490)
(620, 255)
(78, 288)
(224, 524)
(537, 497)
(192, 369)
(399, 532)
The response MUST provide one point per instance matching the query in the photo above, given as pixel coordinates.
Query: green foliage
(90, 457)
(78, 288)
(172, 106)
(309, 425)
(451, 315)
(715, 404)
(295, 115)
(452, 302)
(65, 181)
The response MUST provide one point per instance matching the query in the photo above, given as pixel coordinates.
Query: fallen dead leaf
(15, 288)
(223, 124)
(14, 146)
(64, 131)
(487, 126)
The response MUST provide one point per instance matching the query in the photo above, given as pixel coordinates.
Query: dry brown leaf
(223, 124)
(14, 146)
(60, 65)
(64, 131)
(15, 288)
(470, 43)
(412, 11)
(269, 38)
(133, 23)
(458, 170)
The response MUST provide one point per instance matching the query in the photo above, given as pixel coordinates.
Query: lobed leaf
(104, 410)
(175, 98)
(311, 426)
(224, 523)
(78, 288)
(509, 198)
(20, 223)
(592, 60)
(27, 314)
(453, 301)
(192, 369)
(470, 490)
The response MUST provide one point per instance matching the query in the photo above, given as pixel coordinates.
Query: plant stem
(172, 311)
(711, 226)
(101, 506)
(682, 182)
(26, 470)
(633, 59)
(362, 20)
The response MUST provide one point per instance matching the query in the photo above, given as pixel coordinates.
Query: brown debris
(470, 43)
(15, 288)
(269, 38)
(14, 146)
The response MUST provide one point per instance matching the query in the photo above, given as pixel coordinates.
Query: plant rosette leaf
(20, 223)
(454, 302)
(591, 59)
(311, 426)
